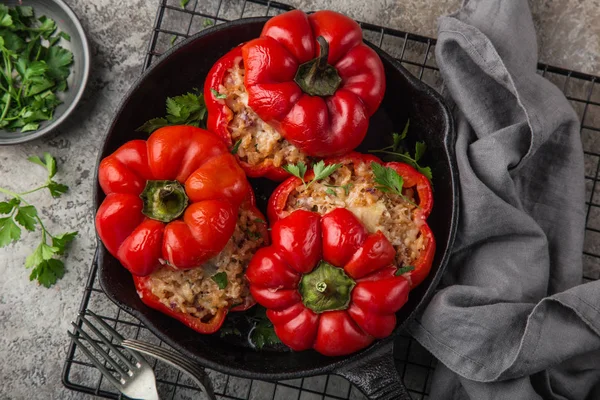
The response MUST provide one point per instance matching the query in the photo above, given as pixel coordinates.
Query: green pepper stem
(164, 201)
(326, 288)
(316, 77)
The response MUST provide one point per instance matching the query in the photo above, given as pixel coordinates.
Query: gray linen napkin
(513, 320)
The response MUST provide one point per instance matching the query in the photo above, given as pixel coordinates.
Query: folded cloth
(512, 320)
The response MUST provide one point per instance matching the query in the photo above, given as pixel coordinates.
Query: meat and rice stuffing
(195, 292)
(260, 143)
(352, 186)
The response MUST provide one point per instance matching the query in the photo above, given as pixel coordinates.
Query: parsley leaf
(6, 207)
(207, 22)
(220, 279)
(346, 187)
(236, 146)
(49, 163)
(153, 124)
(48, 272)
(420, 148)
(298, 170)
(404, 270)
(388, 179)
(331, 192)
(42, 253)
(62, 241)
(26, 217)
(184, 3)
(218, 95)
(57, 189)
(322, 171)
(396, 152)
(186, 109)
(9, 231)
(263, 332)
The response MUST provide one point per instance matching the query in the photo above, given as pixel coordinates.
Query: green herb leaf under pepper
(187, 109)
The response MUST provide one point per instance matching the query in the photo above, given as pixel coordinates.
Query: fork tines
(124, 370)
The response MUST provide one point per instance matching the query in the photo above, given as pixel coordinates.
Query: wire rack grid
(415, 365)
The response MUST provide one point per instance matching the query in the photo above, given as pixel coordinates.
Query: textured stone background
(34, 320)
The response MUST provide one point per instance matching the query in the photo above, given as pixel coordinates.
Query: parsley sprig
(320, 170)
(261, 331)
(187, 109)
(404, 270)
(33, 67)
(46, 267)
(220, 278)
(398, 152)
(389, 181)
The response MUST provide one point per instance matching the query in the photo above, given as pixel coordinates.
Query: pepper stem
(321, 286)
(164, 201)
(316, 77)
(326, 288)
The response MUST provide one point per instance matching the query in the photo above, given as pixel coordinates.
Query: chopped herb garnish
(320, 170)
(207, 22)
(260, 220)
(236, 146)
(397, 152)
(253, 235)
(228, 330)
(220, 279)
(33, 68)
(331, 192)
(405, 269)
(173, 39)
(46, 268)
(184, 3)
(187, 109)
(346, 187)
(218, 95)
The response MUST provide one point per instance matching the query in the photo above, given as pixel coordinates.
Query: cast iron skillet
(372, 369)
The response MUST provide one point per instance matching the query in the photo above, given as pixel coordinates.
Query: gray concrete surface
(34, 320)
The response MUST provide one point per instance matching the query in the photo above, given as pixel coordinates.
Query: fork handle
(176, 360)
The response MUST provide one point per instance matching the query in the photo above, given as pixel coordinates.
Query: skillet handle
(376, 375)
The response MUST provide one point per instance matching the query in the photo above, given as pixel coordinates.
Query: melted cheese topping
(195, 292)
(260, 143)
(353, 187)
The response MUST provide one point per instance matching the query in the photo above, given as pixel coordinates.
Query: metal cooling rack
(414, 363)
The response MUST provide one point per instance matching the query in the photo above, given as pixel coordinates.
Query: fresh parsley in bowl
(43, 67)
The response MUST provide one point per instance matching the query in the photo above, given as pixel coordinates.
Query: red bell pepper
(413, 179)
(326, 283)
(148, 298)
(220, 115)
(173, 198)
(314, 80)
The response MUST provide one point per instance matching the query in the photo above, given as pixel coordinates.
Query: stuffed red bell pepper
(179, 214)
(389, 197)
(259, 148)
(314, 79)
(327, 283)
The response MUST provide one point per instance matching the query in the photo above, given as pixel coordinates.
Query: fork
(135, 379)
